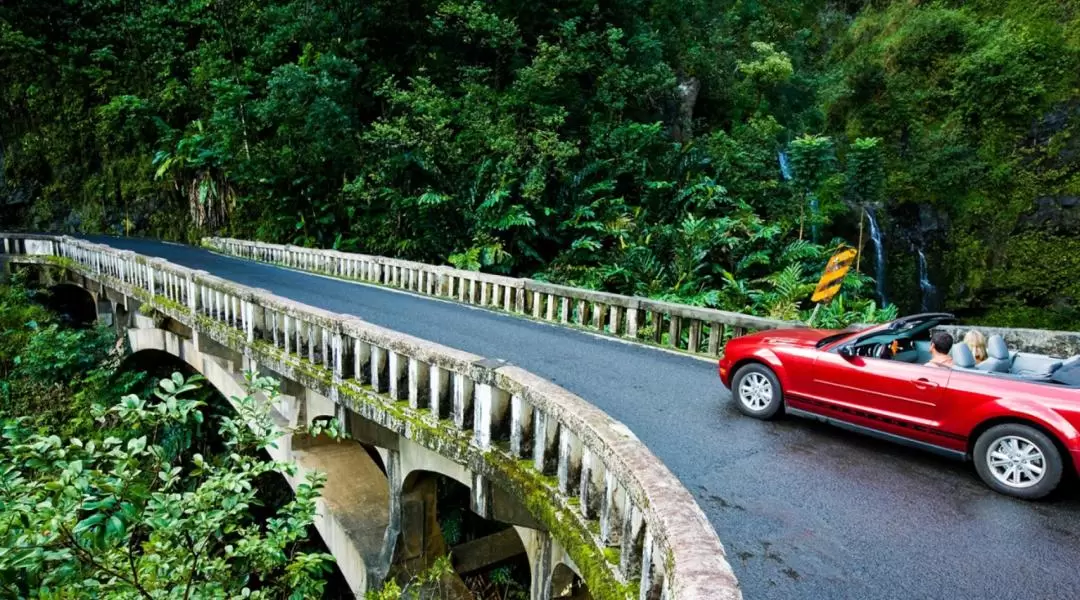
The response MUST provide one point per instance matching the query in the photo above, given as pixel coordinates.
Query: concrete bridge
(594, 511)
(803, 510)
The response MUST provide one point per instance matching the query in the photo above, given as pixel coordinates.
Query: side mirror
(846, 351)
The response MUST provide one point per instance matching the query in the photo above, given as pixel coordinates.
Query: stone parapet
(695, 330)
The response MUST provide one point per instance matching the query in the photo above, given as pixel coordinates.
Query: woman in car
(975, 340)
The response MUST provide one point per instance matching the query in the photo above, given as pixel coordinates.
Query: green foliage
(423, 586)
(56, 355)
(20, 318)
(122, 517)
(601, 144)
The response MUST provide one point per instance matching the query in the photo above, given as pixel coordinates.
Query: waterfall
(785, 172)
(785, 168)
(928, 289)
(879, 255)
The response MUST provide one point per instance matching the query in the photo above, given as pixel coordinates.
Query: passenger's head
(941, 342)
(975, 340)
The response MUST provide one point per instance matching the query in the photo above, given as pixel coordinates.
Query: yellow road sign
(833, 277)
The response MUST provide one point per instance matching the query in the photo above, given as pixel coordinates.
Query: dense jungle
(712, 152)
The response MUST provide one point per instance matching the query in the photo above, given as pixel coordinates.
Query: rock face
(1039, 341)
(1057, 214)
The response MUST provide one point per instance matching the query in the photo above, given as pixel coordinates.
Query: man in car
(940, 346)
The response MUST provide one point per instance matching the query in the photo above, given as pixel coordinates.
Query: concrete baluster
(632, 537)
(274, 325)
(440, 381)
(580, 316)
(337, 358)
(551, 301)
(419, 388)
(545, 431)
(491, 408)
(521, 426)
(591, 487)
(483, 293)
(674, 331)
(378, 369)
(695, 335)
(362, 361)
(324, 347)
(598, 316)
(569, 469)
(249, 321)
(564, 315)
(536, 299)
(287, 325)
(613, 320)
(611, 511)
(301, 337)
(508, 298)
(652, 577)
(398, 364)
(463, 401)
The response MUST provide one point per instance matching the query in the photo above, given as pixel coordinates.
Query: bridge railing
(623, 517)
(692, 329)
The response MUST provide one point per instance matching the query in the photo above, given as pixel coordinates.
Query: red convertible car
(1018, 423)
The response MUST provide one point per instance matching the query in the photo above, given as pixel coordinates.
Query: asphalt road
(804, 510)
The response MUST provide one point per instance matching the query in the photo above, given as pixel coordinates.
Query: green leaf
(114, 529)
(136, 445)
(88, 523)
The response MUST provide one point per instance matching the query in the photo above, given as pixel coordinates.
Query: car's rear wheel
(1018, 460)
(757, 391)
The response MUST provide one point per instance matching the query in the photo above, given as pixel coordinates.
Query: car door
(881, 393)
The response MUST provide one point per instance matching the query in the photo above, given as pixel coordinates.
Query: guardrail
(700, 331)
(598, 489)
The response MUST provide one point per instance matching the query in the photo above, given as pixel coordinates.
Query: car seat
(998, 359)
(1034, 366)
(962, 356)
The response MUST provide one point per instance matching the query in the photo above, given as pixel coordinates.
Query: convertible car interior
(911, 343)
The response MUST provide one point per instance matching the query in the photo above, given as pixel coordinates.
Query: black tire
(997, 476)
(758, 376)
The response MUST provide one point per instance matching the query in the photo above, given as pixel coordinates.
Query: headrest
(962, 356)
(997, 348)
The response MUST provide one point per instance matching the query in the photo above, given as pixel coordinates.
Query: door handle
(923, 383)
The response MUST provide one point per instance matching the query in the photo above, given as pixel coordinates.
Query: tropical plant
(128, 517)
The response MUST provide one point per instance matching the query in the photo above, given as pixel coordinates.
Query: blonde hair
(975, 340)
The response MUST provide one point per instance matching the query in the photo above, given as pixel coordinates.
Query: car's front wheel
(1018, 460)
(757, 391)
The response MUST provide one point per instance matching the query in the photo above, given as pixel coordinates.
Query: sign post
(833, 277)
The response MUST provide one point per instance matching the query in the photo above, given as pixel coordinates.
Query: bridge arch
(74, 303)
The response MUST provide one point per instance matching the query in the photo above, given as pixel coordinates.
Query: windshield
(825, 341)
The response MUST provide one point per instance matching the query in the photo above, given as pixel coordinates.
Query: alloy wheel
(755, 391)
(1016, 461)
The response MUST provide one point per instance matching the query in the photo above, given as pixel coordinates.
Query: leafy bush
(121, 517)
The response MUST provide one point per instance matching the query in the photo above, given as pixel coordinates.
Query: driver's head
(941, 342)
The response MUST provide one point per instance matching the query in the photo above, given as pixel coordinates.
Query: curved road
(804, 510)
